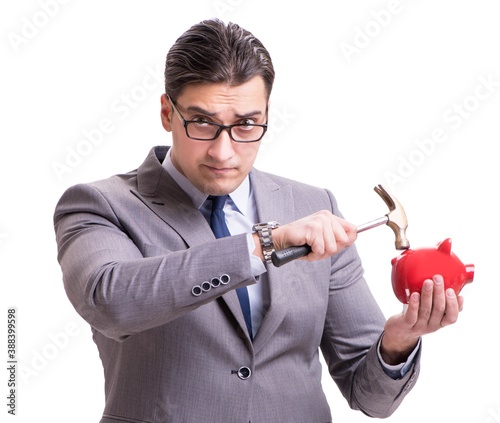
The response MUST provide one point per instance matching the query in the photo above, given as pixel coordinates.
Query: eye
(245, 122)
(201, 121)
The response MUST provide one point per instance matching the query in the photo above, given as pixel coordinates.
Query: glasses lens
(247, 133)
(201, 130)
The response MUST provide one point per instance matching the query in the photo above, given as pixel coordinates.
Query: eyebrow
(211, 114)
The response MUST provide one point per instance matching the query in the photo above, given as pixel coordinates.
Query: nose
(222, 148)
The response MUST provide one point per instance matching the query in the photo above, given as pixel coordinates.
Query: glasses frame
(220, 127)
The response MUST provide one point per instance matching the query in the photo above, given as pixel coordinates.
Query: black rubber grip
(279, 258)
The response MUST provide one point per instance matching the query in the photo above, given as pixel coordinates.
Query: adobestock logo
(364, 35)
(279, 120)
(42, 357)
(453, 118)
(31, 26)
(121, 108)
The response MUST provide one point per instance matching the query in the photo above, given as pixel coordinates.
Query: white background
(359, 86)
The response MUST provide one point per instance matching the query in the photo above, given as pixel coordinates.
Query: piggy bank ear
(445, 246)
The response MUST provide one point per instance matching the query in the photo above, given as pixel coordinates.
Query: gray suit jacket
(131, 249)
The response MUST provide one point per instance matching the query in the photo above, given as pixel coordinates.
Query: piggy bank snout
(413, 267)
(469, 271)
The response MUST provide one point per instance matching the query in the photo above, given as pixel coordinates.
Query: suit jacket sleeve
(122, 285)
(353, 326)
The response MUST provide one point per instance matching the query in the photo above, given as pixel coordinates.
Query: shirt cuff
(399, 370)
(256, 263)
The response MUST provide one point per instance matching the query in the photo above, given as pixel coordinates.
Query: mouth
(219, 170)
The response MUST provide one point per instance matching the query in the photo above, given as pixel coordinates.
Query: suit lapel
(274, 202)
(158, 191)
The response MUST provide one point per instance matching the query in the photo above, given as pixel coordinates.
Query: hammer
(395, 219)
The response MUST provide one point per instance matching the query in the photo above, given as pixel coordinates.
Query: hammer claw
(396, 218)
(380, 190)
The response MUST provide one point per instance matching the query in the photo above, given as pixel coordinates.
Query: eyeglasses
(203, 130)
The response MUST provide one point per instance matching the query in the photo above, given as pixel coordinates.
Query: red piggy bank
(413, 267)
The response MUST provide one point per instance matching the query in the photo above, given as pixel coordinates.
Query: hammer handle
(373, 224)
(281, 257)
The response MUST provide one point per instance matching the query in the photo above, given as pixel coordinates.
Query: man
(191, 321)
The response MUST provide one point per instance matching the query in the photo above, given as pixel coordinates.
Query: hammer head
(396, 218)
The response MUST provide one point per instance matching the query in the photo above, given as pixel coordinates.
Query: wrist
(258, 248)
(396, 351)
(263, 231)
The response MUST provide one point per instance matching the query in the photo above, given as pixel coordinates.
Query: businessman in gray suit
(169, 264)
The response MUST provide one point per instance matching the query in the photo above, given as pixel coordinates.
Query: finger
(460, 303)
(331, 235)
(334, 235)
(351, 230)
(340, 236)
(346, 233)
(313, 236)
(317, 245)
(452, 308)
(412, 310)
(425, 309)
(438, 302)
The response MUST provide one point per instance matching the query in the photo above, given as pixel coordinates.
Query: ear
(166, 113)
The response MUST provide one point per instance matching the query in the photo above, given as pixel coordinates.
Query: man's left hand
(427, 312)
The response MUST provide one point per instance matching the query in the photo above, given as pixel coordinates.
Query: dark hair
(213, 52)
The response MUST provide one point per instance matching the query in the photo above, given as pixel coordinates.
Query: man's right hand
(324, 232)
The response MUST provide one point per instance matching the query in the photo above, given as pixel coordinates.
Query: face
(215, 167)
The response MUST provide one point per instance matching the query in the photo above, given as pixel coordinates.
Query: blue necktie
(220, 230)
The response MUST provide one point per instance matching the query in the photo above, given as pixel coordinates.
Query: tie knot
(218, 201)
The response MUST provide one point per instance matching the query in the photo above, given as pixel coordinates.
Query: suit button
(244, 373)
(196, 291)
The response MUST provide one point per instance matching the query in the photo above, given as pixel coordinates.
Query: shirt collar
(239, 196)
